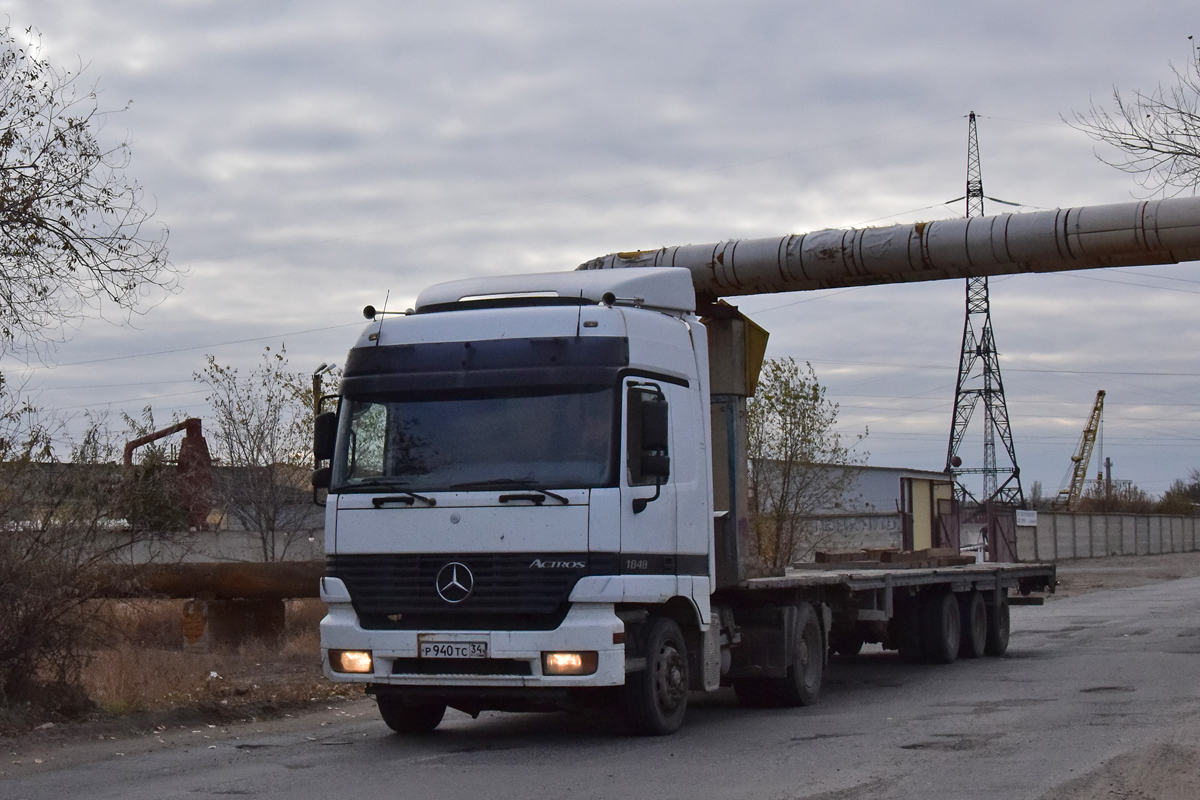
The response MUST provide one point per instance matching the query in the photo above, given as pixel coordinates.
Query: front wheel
(409, 719)
(655, 699)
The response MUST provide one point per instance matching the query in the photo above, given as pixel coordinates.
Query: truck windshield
(553, 439)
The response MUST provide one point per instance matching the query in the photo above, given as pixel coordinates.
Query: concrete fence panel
(1061, 535)
(1128, 540)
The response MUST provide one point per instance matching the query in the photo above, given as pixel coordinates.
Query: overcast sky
(311, 157)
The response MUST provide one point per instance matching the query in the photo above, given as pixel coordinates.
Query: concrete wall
(1061, 536)
(219, 545)
(849, 533)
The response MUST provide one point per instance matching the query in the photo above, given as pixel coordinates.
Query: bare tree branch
(263, 436)
(1158, 132)
(75, 232)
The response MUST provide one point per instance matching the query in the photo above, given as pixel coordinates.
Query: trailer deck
(1025, 578)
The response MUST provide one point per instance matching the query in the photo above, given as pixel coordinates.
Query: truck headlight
(583, 663)
(358, 661)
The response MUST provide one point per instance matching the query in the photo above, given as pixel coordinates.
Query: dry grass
(146, 668)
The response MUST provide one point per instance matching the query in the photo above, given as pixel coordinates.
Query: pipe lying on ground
(276, 580)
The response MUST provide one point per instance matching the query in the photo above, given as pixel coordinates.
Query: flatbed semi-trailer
(902, 609)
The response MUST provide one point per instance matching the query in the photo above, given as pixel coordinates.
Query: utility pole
(1001, 484)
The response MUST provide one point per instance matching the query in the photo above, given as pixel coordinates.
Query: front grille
(460, 666)
(397, 591)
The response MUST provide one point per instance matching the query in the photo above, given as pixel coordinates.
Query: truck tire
(409, 719)
(803, 681)
(997, 629)
(940, 628)
(972, 612)
(655, 699)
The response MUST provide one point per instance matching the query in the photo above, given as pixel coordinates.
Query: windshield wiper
(405, 495)
(509, 483)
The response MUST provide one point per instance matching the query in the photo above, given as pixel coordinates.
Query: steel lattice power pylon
(979, 377)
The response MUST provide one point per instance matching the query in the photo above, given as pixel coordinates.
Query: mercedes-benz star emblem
(454, 582)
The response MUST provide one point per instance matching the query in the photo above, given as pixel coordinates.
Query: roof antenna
(379, 330)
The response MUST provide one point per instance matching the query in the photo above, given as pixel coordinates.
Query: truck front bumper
(514, 657)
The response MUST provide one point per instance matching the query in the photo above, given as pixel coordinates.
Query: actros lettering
(539, 563)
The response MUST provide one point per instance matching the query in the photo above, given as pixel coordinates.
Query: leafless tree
(1118, 497)
(262, 430)
(75, 232)
(1157, 131)
(62, 532)
(794, 444)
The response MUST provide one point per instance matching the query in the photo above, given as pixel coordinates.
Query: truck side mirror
(648, 435)
(647, 444)
(321, 478)
(657, 467)
(655, 430)
(324, 435)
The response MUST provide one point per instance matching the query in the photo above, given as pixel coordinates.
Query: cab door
(649, 537)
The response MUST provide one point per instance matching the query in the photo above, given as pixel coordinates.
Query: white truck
(537, 483)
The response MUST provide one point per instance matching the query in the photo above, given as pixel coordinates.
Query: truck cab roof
(661, 288)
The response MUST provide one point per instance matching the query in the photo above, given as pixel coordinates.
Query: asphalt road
(1092, 684)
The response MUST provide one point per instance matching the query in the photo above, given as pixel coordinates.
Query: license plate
(454, 650)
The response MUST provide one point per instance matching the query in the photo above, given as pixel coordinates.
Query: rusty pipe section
(1120, 235)
(216, 580)
(192, 425)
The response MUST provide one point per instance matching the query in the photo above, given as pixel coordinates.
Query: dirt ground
(1165, 770)
(1083, 575)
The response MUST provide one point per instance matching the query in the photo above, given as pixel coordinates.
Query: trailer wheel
(940, 628)
(803, 681)
(409, 719)
(655, 699)
(973, 614)
(997, 629)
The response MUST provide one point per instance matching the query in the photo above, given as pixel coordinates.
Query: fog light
(569, 663)
(350, 661)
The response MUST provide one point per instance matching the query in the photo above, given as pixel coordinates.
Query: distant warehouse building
(884, 507)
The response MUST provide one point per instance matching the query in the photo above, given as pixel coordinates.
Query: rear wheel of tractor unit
(972, 612)
(940, 628)
(409, 719)
(655, 699)
(803, 681)
(997, 629)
